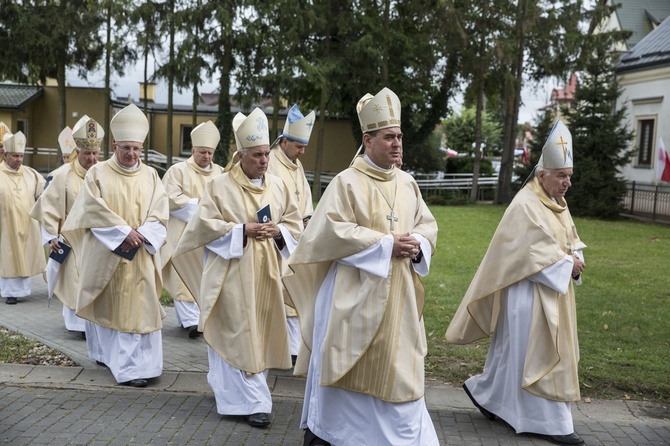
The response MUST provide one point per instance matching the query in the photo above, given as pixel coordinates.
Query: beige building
(33, 109)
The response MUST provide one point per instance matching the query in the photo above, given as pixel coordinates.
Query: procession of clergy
(272, 283)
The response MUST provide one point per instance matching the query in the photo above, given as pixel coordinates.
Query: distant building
(638, 16)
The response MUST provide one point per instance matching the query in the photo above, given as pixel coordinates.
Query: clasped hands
(262, 231)
(405, 246)
(132, 241)
(578, 265)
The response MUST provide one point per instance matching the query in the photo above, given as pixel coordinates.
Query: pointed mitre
(15, 143)
(129, 124)
(4, 130)
(205, 135)
(253, 131)
(298, 127)
(88, 134)
(66, 141)
(378, 112)
(557, 151)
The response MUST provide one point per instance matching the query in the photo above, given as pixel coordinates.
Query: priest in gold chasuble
(21, 253)
(185, 184)
(245, 222)
(359, 297)
(53, 207)
(523, 294)
(285, 163)
(116, 228)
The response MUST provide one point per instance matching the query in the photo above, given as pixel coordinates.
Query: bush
(466, 165)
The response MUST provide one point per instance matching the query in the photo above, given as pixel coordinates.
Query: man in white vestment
(185, 184)
(21, 253)
(284, 163)
(116, 227)
(53, 207)
(523, 294)
(246, 221)
(360, 299)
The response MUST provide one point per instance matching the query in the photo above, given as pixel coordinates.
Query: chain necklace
(17, 187)
(391, 217)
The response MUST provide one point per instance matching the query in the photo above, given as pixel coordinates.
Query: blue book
(264, 214)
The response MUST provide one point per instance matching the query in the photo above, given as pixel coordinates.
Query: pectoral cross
(392, 218)
(297, 194)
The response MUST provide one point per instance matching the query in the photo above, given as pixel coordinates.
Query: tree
(599, 135)
(459, 130)
(42, 39)
(544, 39)
(540, 135)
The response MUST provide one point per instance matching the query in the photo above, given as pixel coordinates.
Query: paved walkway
(84, 405)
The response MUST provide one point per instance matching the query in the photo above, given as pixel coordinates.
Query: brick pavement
(84, 405)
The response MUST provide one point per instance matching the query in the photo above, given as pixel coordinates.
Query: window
(22, 126)
(185, 143)
(645, 142)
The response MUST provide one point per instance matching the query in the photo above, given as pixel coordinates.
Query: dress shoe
(136, 383)
(83, 335)
(258, 420)
(193, 331)
(489, 415)
(11, 301)
(294, 358)
(312, 440)
(571, 439)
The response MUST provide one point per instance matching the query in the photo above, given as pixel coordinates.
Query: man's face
(128, 152)
(254, 162)
(292, 149)
(13, 160)
(66, 158)
(2, 149)
(385, 147)
(203, 156)
(555, 182)
(88, 157)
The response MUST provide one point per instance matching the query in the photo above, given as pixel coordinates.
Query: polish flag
(663, 166)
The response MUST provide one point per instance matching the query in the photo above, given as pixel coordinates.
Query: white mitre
(557, 151)
(4, 130)
(253, 131)
(379, 111)
(66, 141)
(205, 135)
(129, 124)
(88, 134)
(237, 120)
(15, 143)
(298, 127)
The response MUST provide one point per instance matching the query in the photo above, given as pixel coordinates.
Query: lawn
(623, 305)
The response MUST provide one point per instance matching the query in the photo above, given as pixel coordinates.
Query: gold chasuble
(51, 210)
(241, 305)
(534, 233)
(182, 182)
(21, 252)
(115, 292)
(293, 176)
(376, 342)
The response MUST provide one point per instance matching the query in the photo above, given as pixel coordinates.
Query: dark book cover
(127, 255)
(60, 255)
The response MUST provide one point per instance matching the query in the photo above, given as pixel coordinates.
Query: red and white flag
(663, 166)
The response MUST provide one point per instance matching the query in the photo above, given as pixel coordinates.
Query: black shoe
(101, 363)
(193, 331)
(571, 439)
(136, 383)
(11, 301)
(83, 335)
(258, 420)
(312, 440)
(294, 358)
(489, 415)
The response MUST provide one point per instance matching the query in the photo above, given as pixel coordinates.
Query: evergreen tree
(599, 136)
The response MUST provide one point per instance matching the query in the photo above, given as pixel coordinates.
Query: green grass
(17, 349)
(623, 305)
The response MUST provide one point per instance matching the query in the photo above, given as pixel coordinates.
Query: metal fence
(648, 201)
